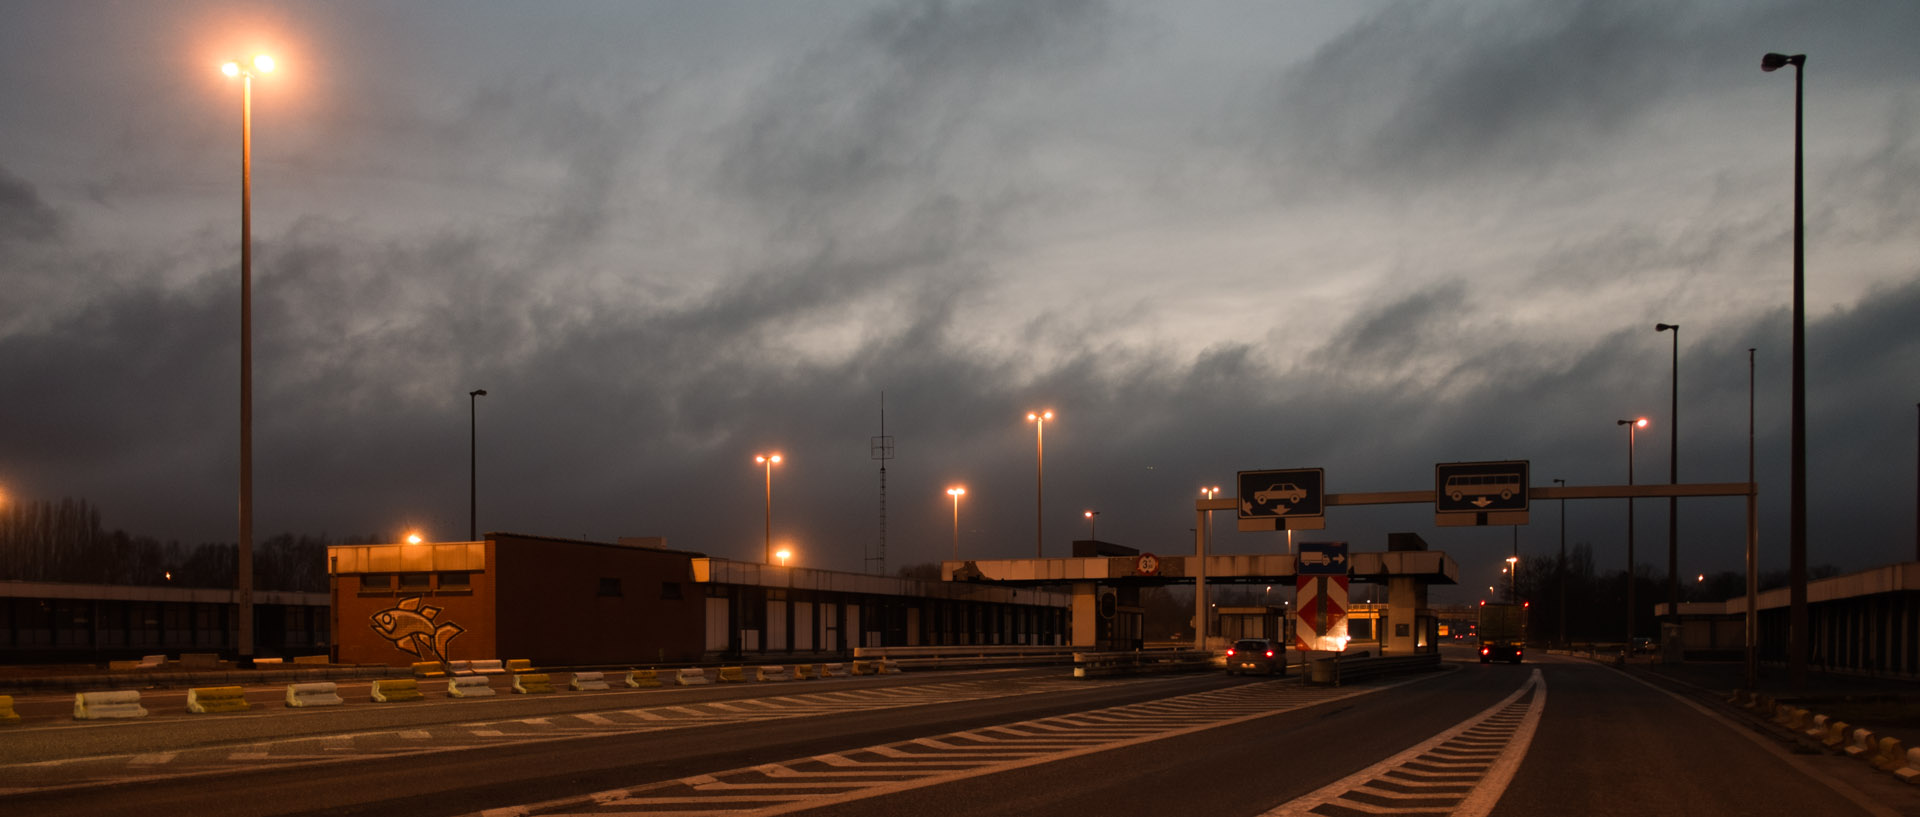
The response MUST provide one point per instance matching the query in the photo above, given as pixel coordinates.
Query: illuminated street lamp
(1513, 578)
(1561, 569)
(1039, 419)
(1632, 427)
(956, 492)
(263, 64)
(1797, 621)
(769, 460)
(1209, 492)
(783, 555)
(1093, 518)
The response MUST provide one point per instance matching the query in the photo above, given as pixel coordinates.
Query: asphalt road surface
(1554, 736)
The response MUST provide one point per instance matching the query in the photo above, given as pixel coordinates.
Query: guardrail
(1342, 669)
(1141, 662)
(970, 656)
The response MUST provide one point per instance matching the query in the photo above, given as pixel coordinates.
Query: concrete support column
(1086, 615)
(1406, 603)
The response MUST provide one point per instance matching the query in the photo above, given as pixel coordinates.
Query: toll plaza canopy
(1146, 569)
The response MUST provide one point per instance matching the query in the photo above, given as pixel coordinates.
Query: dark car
(1256, 655)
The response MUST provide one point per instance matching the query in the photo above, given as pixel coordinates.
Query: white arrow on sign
(1481, 502)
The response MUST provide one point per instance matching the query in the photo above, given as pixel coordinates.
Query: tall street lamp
(769, 460)
(263, 64)
(473, 464)
(956, 492)
(1209, 492)
(1673, 478)
(1513, 579)
(1039, 419)
(1797, 490)
(1632, 427)
(1562, 571)
(1093, 520)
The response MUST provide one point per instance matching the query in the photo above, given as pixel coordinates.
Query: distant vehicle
(1256, 655)
(1503, 632)
(1285, 492)
(1461, 486)
(1643, 645)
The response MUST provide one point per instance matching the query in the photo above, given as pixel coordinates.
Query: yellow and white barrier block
(7, 715)
(122, 703)
(691, 676)
(519, 665)
(532, 683)
(587, 680)
(643, 678)
(733, 675)
(863, 668)
(832, 670)
(802, 672)
(318, 693)
(213, 700)
(775, 673)
(388, 690)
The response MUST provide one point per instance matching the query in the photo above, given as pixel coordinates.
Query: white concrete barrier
(832, 670)
(588, 680)
(1911, 771)
(772, 674)
(119, 703)
(489, 666)
(691, 676)
(318, 693)
(468, 686)
(1863, 743)
(1819, 727)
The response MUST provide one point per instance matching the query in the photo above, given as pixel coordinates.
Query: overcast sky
(1213, 237)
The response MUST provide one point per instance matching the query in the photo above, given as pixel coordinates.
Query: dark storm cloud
(24, 216)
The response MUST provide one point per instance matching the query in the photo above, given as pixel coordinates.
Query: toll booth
(1118, 620)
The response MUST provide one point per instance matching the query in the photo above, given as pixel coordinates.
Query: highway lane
(1554, 736)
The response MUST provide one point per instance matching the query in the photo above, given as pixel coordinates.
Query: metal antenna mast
(881, 448)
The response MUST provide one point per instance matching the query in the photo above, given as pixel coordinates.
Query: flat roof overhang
(1432, 566)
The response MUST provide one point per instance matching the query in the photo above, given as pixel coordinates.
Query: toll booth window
(376, 583)
(670, 591)
(457, 581)
(610, 587)
(415, 582)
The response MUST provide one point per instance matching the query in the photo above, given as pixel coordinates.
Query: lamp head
(1773, 62)
(1662, 327)
(477, 393)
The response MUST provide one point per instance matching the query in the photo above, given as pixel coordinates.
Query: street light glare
(264, 63)
(231, 69)
(1040, 415)
(1642, 423)
(957, 491)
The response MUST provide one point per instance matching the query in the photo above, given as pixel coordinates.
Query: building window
(376, 583)
(416, 582)
(670, 591)
(610, 587)
(458, 582)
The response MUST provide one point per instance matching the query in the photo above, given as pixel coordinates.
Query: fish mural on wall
(411, 628)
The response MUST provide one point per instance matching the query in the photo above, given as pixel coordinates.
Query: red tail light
(1484, 650)
(1229, 652)
(1269, 653)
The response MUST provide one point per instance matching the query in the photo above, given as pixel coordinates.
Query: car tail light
(1485, 650)
(1229, 652)
(1269, 653)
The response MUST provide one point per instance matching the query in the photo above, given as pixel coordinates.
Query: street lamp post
(1513, 579)
(1209, 492)
(1562, 570)
(1673, 478)
(1093, 521)
(769, 460)
(1039, 419)
(263, 64)
(1632, 427)
(473, 464)
(956, 492)
(1797, 500)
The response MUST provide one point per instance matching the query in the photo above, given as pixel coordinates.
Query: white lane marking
(1479, 799)
(152, 759)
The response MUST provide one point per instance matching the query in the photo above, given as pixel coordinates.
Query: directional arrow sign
(1282, 494)
(1480, 487)
(1321, 559)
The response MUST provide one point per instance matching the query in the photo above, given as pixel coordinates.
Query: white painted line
(414, 734)
(1305, 804)
(600, 720)
(152, 759)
